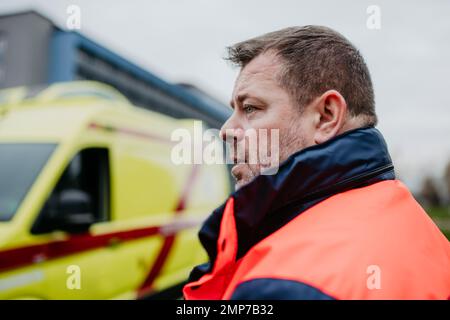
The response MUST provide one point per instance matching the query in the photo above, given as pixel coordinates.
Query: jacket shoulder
(371, 242)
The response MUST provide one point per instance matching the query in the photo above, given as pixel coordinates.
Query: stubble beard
(291, 140)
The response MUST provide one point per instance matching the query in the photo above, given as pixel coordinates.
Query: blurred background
(184, 41)
(166, 56)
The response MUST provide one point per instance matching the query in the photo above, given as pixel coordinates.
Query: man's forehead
(263, 68)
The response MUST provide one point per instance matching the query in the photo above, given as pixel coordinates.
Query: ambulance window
(89, 172)
(86, 176)
(20, 165)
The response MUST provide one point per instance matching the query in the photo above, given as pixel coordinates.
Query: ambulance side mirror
(74, 212)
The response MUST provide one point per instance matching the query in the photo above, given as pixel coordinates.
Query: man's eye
(248, 108)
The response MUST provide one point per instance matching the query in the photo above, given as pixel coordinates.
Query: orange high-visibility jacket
(333, 223)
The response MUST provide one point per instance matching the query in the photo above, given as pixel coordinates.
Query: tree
(429, 193)
(447, 180)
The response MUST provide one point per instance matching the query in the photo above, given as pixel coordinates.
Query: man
(332, 223)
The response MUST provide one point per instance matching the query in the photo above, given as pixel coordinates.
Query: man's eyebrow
(240, 98)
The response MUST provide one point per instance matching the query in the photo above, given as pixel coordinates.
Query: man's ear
(330, 112)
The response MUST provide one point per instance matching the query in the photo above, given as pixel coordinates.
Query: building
(34, 51)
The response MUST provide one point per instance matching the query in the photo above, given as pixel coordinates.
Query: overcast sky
(409, 56)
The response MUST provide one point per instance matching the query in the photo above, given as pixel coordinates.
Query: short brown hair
(315, 59)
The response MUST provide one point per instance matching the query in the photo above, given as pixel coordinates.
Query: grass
(441, 216)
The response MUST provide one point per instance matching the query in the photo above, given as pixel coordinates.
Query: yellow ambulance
(91, 205)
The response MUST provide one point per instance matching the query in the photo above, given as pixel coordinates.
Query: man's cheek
(254, 170)
(241, 152)
(269, 148)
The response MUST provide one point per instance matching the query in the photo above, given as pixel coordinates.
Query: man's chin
(242, 182)
(238, 185)
(243, 174)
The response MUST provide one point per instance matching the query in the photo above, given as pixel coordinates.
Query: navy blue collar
(354, 159)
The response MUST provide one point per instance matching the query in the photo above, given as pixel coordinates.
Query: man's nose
(232, 130)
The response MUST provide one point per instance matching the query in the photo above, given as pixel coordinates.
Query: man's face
(259, 102)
